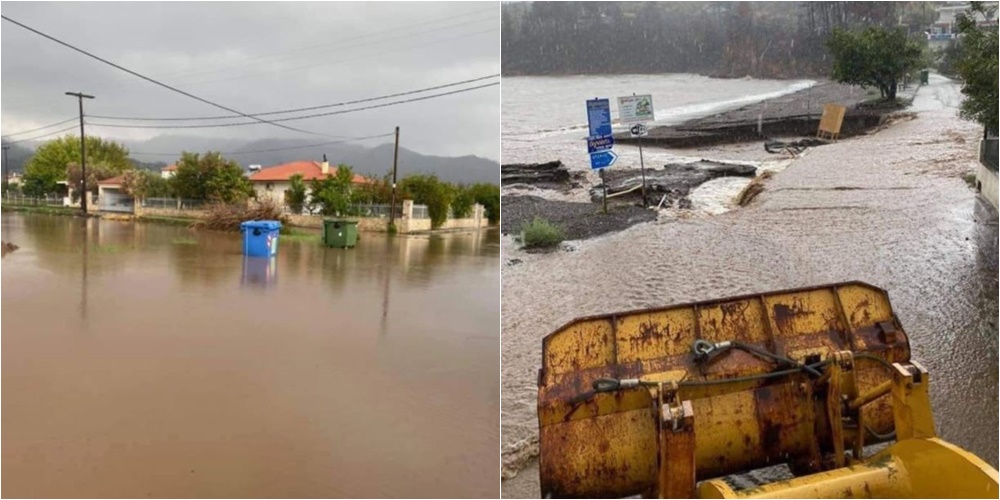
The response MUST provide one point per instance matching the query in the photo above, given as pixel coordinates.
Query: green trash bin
(924, 76)
(340, 233)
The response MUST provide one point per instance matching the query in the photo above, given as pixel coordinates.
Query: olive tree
(873, 57)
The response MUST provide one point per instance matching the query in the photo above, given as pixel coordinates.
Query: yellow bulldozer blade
(655, 402)
(913, 468)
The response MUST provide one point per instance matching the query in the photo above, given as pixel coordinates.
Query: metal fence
(173, 203)
(115, 202)
(18, 199)
(988, 153)
(420, 212)
(380, 211)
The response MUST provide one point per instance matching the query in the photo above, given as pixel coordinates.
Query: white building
(272, 182)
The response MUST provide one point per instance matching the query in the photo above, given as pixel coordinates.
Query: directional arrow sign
(603, 159)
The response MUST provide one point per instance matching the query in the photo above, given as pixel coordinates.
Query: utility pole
(6, 172)
(83, 151)
(395, 160)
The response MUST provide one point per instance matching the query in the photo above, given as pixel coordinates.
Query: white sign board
(638, 130)
(635, 109)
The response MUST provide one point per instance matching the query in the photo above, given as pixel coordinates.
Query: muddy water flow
(149, 360)
(889, 209)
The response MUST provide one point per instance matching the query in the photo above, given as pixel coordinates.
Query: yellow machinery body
(663, 402)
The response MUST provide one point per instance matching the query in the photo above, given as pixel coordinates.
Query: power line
(233, 153)
(310, 108)
(41, 128)
(43, 135)
(394, 103)
(122, 68)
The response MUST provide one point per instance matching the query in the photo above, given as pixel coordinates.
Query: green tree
(461, 204)
(11, 189)
(977, 66)
(295, 195)
(332, 195)
(210, 177)
(873, 57)
(50, 162)
(141, 184)
(428, 190)
(375, 190)
(95, 173)
(949, 57)
(487, 195)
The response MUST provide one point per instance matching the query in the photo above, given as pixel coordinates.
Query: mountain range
(375, 161)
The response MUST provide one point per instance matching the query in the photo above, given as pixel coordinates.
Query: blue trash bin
(260, 237)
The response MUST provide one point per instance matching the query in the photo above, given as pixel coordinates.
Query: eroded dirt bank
(795, 114)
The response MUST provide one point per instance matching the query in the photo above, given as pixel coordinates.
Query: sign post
(600, 141)
(636, 110)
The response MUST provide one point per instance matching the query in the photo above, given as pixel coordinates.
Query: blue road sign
(599, 117)
(602, 159)
(600, 143)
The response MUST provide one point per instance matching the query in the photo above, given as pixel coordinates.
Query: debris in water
(551, 175)
(8, 247)
(673, 181)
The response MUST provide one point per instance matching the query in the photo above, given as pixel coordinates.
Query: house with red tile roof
(271, 182)
(168, 171)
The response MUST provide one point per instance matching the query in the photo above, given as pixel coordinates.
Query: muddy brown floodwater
(148, 360)
(890, 209)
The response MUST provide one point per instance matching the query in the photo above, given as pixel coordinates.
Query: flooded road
(889, 209)
(149, 360)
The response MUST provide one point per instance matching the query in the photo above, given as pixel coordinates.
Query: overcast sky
(257, 57)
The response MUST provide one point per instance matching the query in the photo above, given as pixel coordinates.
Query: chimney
(326, 165)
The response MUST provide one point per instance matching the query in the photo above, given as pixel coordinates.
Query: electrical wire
(310, 108)
(67, 129)
(42, 128)
(148, 79)
(233, 153)
(331, 113)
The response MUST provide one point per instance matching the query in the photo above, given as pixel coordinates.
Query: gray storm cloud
(258, 57)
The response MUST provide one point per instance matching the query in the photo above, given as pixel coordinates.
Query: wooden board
(830, 123)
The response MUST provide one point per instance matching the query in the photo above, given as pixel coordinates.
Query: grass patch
(41, 209)
(174, 221)
(107, 248)
(970, 179)
(185, 240)
(292, 234)
(540, 233)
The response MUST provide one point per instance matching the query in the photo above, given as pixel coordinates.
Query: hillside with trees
(726, 39)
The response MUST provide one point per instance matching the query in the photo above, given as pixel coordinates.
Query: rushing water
(889, 209)
(149, 360)
(544, 119)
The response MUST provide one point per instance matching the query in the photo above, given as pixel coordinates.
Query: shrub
(228, 217)
(540, 233)
(429, 190)
(331, 195)
(487, 195)
(295, 195)
(210, 177)
(461, 205)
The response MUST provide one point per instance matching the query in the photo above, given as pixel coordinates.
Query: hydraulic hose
(611, 385)
(703, 350)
